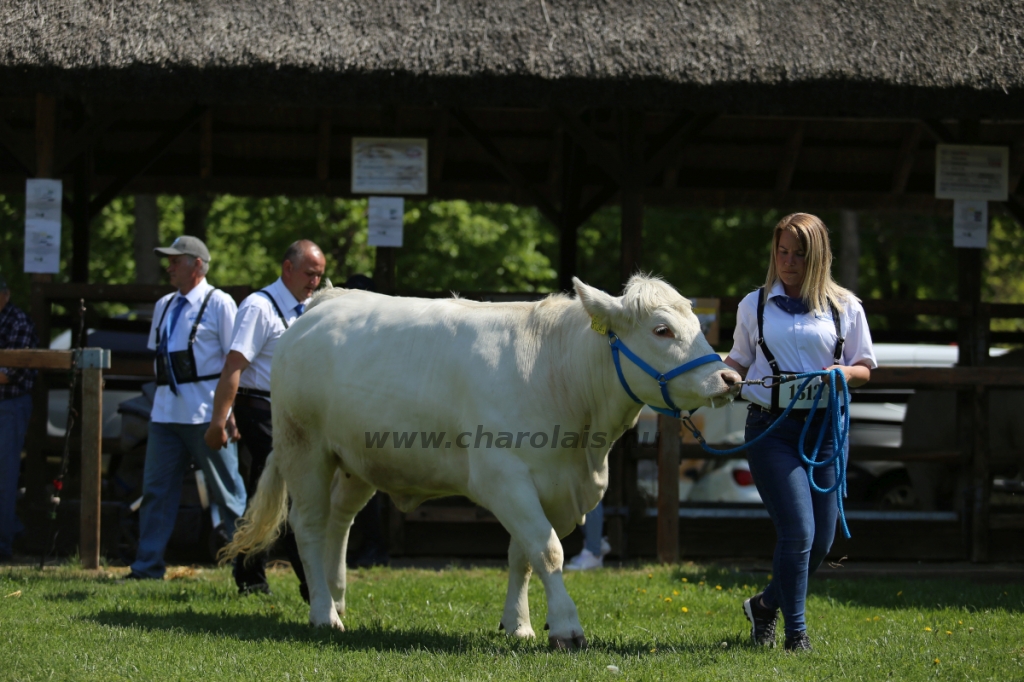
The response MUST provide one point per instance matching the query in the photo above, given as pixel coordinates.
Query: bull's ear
(604, 310)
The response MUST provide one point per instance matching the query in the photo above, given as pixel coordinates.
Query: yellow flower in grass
(900, 593)
(936, 661)
(685, 610)
(668, 599)
(675, 593)
(927, 629)
(949, 632)
(718, 587)
(685, 580)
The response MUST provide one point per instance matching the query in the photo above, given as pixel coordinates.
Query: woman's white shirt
(800, 343)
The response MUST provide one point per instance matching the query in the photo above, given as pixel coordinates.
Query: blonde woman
(800, 321)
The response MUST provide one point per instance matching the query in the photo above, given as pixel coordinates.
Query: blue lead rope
(836, 418)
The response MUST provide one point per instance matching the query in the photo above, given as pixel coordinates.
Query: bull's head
(658, 325)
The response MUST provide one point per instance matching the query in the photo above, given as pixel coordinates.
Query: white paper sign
(385, 221)
(970, 224)
(971, 172)
(42, 225)
(389, 165)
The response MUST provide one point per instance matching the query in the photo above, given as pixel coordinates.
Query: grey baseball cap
(186, 246)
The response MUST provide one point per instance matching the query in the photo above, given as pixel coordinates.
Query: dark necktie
(299, 309)
(163, 349)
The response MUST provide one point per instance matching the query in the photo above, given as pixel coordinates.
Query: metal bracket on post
(92, 358)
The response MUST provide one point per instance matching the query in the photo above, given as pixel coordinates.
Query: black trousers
(257, 434)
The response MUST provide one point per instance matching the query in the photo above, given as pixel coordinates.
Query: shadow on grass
(255, 628)
(883, 592)
(71, 596)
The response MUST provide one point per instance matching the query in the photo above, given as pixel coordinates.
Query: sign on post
(968, 172)
(389, 165)
(42, 225)
(385, 221)
(970, 224)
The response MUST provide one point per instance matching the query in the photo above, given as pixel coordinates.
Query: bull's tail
(261, 525)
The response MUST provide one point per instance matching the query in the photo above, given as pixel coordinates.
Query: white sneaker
(606, 547)
(584, 561)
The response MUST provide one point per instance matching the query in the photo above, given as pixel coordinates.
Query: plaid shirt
(16, 331)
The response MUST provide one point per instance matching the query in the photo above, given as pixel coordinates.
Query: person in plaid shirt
(16, 331)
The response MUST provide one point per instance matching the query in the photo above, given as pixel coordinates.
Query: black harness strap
(276, 307)
(184, 360)
(837, 353)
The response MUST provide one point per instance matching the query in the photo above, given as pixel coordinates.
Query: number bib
(804, 399)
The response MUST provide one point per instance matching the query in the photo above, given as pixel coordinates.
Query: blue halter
(672, 411)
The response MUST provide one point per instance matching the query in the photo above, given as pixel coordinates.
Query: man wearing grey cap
(191, 334)
(16, 332)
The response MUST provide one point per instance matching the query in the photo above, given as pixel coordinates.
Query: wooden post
(668, 489)
(571, 194)
(46, 133)
(982, 478)
(82, 218)
(323, 146)
(92, 465)
(384, 269)
(632, 225)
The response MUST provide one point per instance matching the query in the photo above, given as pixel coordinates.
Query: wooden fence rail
(90, 363)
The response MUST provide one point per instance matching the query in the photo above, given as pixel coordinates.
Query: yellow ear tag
(597, 326)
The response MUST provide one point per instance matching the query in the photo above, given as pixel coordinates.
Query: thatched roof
(833, 57)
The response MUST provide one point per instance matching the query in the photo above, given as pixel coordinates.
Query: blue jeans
(592, 529)
(14, 416)
(805, 521)
(168, 452)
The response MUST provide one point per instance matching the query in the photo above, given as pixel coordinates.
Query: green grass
(64, 624)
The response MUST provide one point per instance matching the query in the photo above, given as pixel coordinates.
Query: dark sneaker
(762, 621)
(255, 588)
(798, 642)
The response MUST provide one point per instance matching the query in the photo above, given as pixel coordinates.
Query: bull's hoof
(568, 643)
(332, 622)
(521, 631)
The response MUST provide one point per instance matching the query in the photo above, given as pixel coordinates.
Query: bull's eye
(664, 332)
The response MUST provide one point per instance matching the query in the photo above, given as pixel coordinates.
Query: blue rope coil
(837, 419)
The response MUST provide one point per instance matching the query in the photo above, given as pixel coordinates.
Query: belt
(252, 402)
(798, 415)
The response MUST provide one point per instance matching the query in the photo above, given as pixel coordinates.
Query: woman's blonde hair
(818, 288)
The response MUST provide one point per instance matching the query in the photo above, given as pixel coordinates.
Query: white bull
(451, 373)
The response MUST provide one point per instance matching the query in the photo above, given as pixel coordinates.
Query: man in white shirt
(191, 334)
(245, 382)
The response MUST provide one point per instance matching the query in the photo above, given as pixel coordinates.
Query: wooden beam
(147, 158)
(46, 134)
(790, 155)
(509, 170)
(323, 145)
(939, 131)
(689, 128)
(92, 468)
(597, 150)
(905, 158)
(17, 148)
(36, 359)
(206, 145)
(84, 138)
